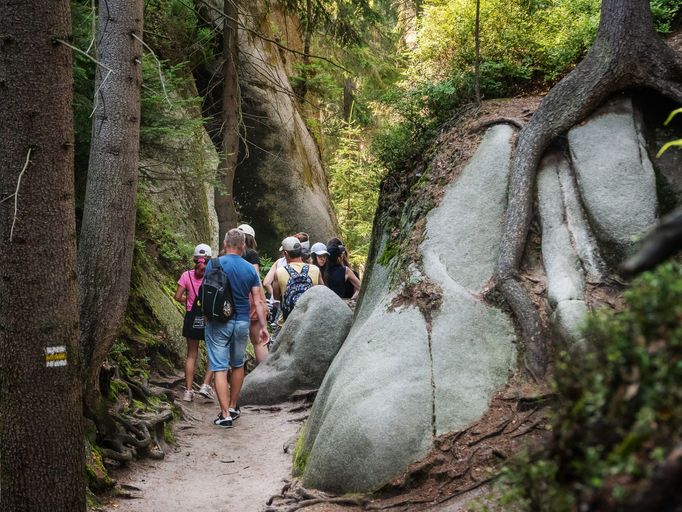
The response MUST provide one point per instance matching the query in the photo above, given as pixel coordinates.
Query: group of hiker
(227, 305)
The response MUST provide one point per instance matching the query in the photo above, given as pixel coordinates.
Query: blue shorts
(226, 344)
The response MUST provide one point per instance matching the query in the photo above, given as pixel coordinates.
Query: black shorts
(190, 328)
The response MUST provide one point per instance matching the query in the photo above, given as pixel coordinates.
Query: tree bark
(626, 53)
(42, 461)
(105, 251)
(225, 205)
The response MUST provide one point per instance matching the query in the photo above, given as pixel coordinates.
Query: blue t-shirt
(242, 277)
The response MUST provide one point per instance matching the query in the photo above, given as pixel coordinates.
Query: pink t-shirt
(190, 282)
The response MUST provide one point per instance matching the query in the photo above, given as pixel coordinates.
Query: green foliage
(664, 12)
(354, 178)
(621, 403)
(156, 229)
(673, 143)
(522, 43)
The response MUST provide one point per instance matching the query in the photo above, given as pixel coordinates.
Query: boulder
(306, 346)
(400, 379)
(615, 175)
(565, 278)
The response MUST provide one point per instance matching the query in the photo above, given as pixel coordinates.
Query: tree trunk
(105, 251)
(224, 196)
(477, 40)
(42, 464)
(626, 53)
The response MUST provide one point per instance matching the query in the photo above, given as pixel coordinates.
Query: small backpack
(297, 284)
(217, 304)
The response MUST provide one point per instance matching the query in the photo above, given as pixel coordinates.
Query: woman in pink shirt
(193, 326)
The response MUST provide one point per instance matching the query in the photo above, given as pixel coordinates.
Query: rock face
(615, 175)
(306, 346)
(281, 187)
(611, 174)
(408, 373)
(176, 185)
(399, 380)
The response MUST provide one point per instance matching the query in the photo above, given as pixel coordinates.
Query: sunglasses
(201, 260)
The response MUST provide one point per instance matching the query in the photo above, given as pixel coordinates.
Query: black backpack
(217, 304)
(297, 284)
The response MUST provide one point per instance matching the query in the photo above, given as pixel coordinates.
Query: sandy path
(212, 468)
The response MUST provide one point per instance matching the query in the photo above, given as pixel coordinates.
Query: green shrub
(620, 409)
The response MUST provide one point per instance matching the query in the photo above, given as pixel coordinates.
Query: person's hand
(264, 335)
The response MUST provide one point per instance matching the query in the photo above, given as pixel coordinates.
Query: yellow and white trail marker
(55, 356)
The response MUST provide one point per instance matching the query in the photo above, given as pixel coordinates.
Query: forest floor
(211, 468)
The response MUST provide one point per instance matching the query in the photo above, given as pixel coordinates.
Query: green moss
(168, 435)
(300, 454)
(97, 475)
(390, 251)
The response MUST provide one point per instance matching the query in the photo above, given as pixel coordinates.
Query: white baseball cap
(319, 248)
(247, 230)
(202, 250)
(290, 243)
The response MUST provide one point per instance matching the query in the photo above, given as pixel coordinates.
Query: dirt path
(212, 468)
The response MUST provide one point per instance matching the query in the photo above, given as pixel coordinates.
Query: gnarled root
(621, 57)
(296, 497)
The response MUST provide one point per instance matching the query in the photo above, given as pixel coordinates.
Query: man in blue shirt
(226, 342)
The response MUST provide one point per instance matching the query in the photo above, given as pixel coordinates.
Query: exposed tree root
(126, 432)
(296, 497)
(627, 53)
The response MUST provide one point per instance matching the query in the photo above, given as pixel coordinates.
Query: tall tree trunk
(105, 251)
(41, 430)
(224, 196)
(477, 39)
(626, 53)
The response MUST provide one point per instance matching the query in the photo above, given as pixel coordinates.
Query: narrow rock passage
(211, 468)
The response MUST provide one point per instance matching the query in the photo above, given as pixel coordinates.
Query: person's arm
(350, 276)
(180, 294)
(276, 292)
(257, 292)
(270, 279)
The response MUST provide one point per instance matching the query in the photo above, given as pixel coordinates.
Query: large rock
(398, 381)
(306, 346)
(465, 234)
(615, 175)
(280, 185)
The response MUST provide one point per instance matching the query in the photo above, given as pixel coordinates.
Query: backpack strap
(304, 270)
(191, 283)
(290, 270)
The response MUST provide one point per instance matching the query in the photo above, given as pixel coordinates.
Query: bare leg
(259, 349)
(236, 381)
(190, 362)
(221, 390)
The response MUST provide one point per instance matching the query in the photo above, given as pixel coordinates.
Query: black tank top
(336, 279)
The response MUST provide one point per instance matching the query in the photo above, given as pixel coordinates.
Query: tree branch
(16, 193)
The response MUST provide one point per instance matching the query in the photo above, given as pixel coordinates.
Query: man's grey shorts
(226, 344)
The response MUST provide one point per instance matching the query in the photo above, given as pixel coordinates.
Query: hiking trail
(211, 468)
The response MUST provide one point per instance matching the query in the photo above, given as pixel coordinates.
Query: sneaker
(234, 413)
(188, 395)
(223, 422)
(206, 391)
